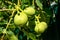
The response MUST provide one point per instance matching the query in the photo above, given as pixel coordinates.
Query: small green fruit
(40, 27)
(20, 19)
(29, 11)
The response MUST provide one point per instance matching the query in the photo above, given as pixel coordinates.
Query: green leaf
(10, 33)
(1, 30)
(4, 31)
(39, 4)
(30, 35)
(25, 1)
(13, 37)
(12, 26)
(56, 0)
(3, 22)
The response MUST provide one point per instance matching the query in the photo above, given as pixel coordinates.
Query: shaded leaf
(39, 4)
(13, 37)
(1, 30)
(30, 35)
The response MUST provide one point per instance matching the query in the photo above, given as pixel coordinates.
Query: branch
(7, 9)
(10, 2)
(10, 19)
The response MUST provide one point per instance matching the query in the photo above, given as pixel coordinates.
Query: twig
(7, 9)
(20, 9)
(18, 3)
(10, 19)
(10, 2)
(33, 2)
(2, 37)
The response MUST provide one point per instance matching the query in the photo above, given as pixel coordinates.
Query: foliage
(24, 30)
